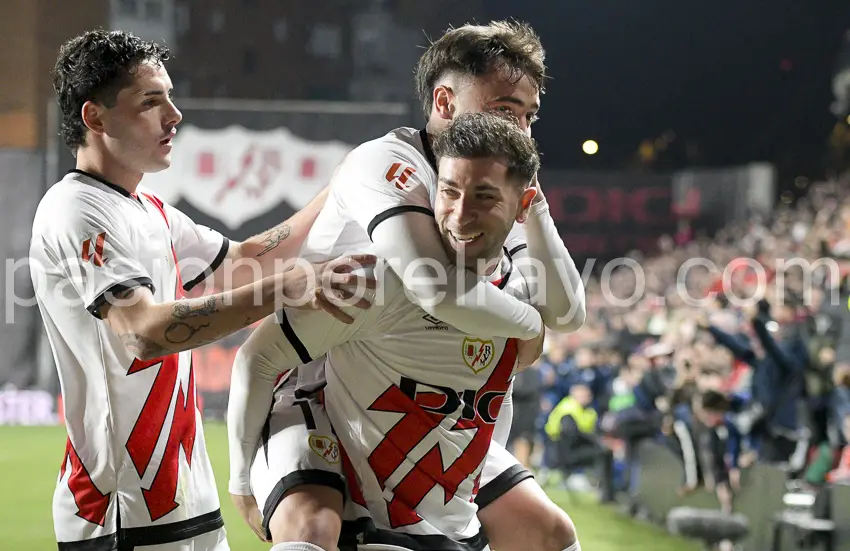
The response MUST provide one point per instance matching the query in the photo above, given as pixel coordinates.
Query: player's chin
(159, 163)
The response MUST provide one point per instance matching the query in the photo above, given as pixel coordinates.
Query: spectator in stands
(571, 427)
(777, 380)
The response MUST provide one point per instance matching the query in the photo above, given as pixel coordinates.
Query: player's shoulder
(72, 204)
(399, 145)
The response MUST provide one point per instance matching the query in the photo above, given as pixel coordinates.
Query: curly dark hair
(476, 50)
(95, 66)
(483, 136)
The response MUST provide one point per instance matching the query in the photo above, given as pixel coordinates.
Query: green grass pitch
(30, 458)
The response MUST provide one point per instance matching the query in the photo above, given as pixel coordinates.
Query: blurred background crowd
(725, 369)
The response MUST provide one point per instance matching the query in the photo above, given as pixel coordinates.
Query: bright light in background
(848, 119)
(590, 147)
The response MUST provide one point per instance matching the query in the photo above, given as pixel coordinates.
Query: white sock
(573, 547)
(296, 546)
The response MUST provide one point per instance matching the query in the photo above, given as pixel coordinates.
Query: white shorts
(298, 447)
(215, 540)
(211, 541)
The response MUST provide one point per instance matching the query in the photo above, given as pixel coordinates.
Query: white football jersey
(414, 403)
(398, 172)
(136, 468)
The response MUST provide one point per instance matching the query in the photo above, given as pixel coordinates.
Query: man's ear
(92, 115)
(525, 200)
(444, 102)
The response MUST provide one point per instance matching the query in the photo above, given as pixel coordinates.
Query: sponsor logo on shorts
(326, 448)
(478, 354)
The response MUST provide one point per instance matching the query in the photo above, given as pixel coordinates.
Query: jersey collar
(426, 148)
(500, 277)
(108, 184)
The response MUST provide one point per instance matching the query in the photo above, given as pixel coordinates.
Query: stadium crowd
(726, 371)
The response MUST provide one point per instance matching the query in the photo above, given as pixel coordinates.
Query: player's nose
(173, 115)
(464, 211)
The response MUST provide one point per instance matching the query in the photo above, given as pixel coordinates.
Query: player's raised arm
(555, 284)
(388, 197)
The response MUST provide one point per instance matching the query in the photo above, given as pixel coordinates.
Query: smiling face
(476, 207)
(137, 130)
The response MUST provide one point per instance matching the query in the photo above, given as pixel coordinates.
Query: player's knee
(310, 514)
(561, 534)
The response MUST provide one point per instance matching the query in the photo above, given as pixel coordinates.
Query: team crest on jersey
(478, 354)
(326, 448)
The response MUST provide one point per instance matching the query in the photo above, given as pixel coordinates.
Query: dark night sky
(624, 71)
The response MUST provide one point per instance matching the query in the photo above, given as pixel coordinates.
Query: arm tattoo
(274, 237)
(188, 309)
(180, 332)
(143, 346)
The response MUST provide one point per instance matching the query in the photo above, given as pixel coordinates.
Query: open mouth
(167, 140)
(465, 238)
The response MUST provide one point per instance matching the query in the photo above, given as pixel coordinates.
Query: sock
(573, 547)
(297, 546)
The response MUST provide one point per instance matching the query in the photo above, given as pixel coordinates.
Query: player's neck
(100, 164)
(493, 269)
(436, 125)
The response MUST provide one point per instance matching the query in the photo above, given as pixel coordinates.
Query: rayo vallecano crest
(326, 448)
(478, 354)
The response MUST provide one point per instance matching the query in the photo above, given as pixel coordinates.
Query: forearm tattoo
(274, 237)
(191, 309)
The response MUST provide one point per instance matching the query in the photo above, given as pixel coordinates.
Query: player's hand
(528, 351)
(250, 512)
(328, 285)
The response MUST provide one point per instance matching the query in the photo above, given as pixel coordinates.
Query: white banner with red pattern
(235, 174)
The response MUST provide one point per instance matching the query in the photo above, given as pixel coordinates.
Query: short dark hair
(476, 50)
(95, 66)
(485, 135)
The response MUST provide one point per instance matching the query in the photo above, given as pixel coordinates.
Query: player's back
(127, 419)
(414, 404)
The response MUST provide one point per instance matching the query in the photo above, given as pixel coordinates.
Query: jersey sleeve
(380, 180)
(200, 250)
(381, 186)
(555, 284)
(95, 250)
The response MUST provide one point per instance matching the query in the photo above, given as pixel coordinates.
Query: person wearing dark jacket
(777, 381)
